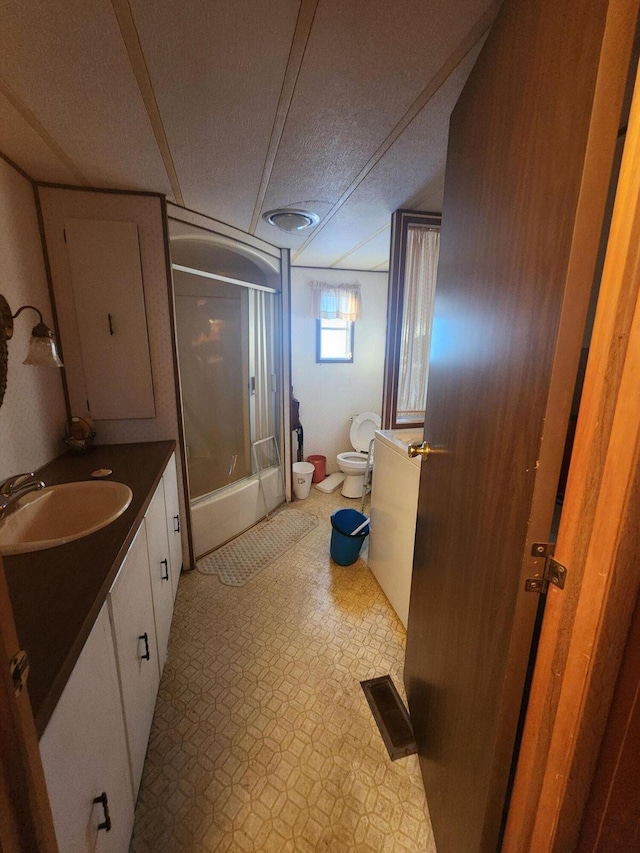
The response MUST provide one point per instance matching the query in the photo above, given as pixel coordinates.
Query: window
(415, 242)
(334, 340)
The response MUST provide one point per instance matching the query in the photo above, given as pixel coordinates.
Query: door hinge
(19, 669)
(554, 572)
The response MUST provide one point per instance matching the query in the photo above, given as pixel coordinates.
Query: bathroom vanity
(394, 505)
(94, 617)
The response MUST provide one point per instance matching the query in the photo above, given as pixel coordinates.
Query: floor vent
(391, 716)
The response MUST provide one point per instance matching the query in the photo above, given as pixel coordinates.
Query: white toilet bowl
(353, 463)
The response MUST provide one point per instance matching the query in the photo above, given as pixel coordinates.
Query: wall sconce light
(42, 346)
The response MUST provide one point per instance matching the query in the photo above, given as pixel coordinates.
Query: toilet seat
(352, 460)
(362, 432)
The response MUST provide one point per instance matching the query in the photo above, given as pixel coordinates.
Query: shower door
(227, 307)
(213, 332)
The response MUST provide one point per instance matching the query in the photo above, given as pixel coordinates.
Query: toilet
(352, 463)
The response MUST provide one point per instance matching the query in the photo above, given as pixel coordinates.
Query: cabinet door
(174, 522)
(135, 641)
(160, 571)
(84, 752)
(394, 503)
(106, 275)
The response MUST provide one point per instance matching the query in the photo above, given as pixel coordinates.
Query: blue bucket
(344, 547)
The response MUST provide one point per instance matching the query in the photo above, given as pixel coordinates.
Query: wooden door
(26, 822)
(531, 145)
(585, 628)
(612, 816)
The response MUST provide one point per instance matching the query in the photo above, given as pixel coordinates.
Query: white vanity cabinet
(134, 634)
(394, 507)
(84, 753)
(160, 571)
(174, 523)
(96, 740)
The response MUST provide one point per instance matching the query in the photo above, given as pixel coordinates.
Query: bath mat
(244, 557)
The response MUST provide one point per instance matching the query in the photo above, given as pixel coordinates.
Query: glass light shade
(42, 352)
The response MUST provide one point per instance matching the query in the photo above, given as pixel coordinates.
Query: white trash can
(302, 474)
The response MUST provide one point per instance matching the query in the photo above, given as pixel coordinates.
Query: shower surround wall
(33, 413)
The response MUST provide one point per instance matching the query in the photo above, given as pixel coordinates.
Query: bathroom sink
(59, 514)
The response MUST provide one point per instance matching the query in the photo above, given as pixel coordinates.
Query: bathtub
(220, 516)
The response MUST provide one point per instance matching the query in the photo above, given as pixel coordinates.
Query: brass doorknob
(423, 448)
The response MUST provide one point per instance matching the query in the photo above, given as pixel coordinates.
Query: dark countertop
(57, 593)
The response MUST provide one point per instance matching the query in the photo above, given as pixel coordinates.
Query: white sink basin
(59, 514)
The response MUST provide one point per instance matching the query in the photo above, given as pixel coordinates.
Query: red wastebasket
(320, 467)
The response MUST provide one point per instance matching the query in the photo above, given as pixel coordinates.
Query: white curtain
(423, 245)
(335, 301)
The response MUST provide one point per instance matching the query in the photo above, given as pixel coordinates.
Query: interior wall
(59, 205)
(33, 413)
(330, 394)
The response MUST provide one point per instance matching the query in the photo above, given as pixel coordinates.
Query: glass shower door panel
(262, 366)
(212, 349)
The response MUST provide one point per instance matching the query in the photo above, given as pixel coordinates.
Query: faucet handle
(9, 486)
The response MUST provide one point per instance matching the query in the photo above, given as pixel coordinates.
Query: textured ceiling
(235, 107)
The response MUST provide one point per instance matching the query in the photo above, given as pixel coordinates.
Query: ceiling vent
(290, 219)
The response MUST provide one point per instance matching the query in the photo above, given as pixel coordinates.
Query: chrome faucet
(15, 487)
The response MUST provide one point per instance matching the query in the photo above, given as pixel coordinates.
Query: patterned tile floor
(262, 738)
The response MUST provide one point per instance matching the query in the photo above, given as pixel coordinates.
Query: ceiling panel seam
(361, 244)
(44, 134)
(384, 264)
(475, 34)
(15, 166)
(304, 23)
(133, 46)
(423, 202)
